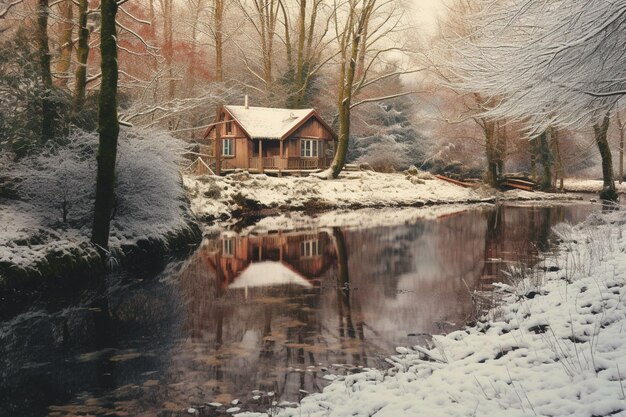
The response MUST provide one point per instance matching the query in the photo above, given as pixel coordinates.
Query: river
(260, 319)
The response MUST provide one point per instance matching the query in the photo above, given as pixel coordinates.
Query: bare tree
(366, 28)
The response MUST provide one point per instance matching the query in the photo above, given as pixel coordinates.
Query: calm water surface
(261, 318)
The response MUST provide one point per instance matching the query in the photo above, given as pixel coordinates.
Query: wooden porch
(272, 164)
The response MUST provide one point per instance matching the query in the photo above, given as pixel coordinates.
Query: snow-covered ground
(555, 346)
(218, 197)
(150, 200)
(578, 185)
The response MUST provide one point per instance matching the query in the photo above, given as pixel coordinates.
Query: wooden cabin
(272, 140)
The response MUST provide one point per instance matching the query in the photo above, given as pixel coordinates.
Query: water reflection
(263, 318)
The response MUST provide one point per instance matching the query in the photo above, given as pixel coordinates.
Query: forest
(525, 92)
(428, 222)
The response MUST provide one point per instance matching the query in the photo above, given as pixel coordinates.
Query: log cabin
(270, 140)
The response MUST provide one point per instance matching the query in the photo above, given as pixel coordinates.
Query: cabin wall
(312, 129)
(241, 142)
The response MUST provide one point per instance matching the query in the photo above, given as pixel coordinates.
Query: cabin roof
(268, 274)
(266, 122)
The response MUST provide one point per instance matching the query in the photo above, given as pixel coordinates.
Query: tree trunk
(620, 126)
(301, 39)
(501, 148)
(108, 127)
(491, 175)
(82, 53)
(608, 187)
(346, 81)
(533, 158)
(219, 39)
(65, 58)
(168, 46)
(556, 152)
(546, 160)
(47, 107)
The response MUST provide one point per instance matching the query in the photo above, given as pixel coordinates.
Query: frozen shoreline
(554, 346)
(223, 198)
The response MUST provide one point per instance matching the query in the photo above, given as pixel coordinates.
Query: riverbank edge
(75, 262)
(210, 205)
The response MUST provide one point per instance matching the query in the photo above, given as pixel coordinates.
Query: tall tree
(263, 18)
(108, 126)
(366, 22)
(218, 23)
(66, 43)
(600, 130)
(311, 30)
(82, 53)
(47, 106)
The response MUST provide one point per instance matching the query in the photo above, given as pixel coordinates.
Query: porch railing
(274, 162)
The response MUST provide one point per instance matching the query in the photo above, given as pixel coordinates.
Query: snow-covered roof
(266, 122)
(268, 274)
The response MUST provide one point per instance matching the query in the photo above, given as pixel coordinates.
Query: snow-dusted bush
(149, 191)
(59, 183)
(385, 155)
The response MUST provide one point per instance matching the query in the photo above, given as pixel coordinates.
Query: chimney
(245, 102)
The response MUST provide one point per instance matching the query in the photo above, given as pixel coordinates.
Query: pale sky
(426, 13)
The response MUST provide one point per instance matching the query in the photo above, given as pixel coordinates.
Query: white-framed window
(309, 248)
(228, 147)
(228, 247)
(309, 148)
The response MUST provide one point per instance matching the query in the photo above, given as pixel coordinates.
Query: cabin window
(228, 247)
(309, 148)
(228, 147)
(309, 248)
(229, 127)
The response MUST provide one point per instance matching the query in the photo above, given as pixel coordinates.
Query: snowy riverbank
(225, 197)
(578, 185)
(151, 214)
(555, 346)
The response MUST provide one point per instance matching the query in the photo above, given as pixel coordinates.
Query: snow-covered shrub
(149, 191)
(60, 179)
(60, 182)
(385, 155)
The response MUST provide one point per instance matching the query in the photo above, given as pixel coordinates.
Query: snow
(555, 346)
(266, 122)
(588, 186)
(216, 197)
(150, 198)
(268, 273)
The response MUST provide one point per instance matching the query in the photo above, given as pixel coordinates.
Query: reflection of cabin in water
(275, 259)
(262, 139)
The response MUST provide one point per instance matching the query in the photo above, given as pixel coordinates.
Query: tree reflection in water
(273, 313)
